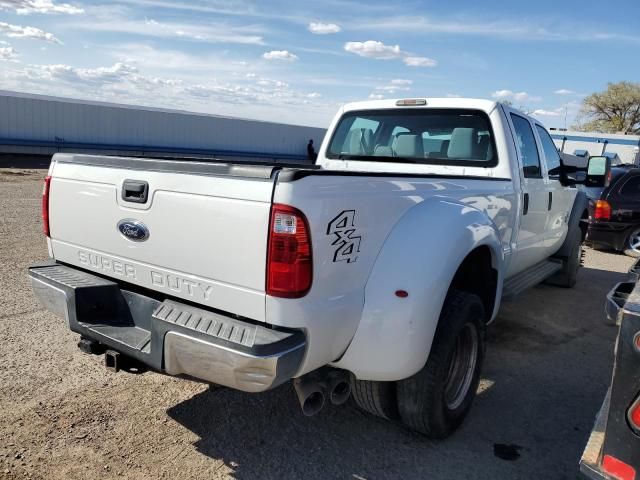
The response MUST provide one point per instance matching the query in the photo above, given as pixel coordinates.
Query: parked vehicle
(615, 214)
(613, 450)
(372, 273)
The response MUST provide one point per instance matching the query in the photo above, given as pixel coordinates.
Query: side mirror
(591, 172)
(598, 171)
(573, 169)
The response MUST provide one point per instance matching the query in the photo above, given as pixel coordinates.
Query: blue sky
(298, 61)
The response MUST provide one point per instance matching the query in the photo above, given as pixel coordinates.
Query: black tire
(376, 398)
(423, 399)
(631, 246)
(568, 276)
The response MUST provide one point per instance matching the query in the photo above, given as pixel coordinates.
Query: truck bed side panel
(351, 218)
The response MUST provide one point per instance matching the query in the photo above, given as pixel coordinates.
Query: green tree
(615, 110)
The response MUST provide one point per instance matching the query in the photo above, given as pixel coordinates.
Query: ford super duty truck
(372, 273)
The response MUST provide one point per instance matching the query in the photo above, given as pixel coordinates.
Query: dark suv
(614, 220)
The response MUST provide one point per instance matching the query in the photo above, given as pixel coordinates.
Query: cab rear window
(431, 136)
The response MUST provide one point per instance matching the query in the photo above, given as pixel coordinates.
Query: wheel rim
(462, 367)
(634, 241)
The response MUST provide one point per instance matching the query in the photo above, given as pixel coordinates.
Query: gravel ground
(63, 416)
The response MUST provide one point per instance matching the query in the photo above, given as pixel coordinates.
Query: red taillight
(289, 261)
(633, 415)
(602, 210)
(45, 205)
(618, 469)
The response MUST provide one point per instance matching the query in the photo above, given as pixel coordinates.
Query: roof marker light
(409, 102)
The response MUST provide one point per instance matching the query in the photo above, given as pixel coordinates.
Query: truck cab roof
(472, 103)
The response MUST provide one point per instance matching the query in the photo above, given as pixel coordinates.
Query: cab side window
(551, 155)
(526, 143)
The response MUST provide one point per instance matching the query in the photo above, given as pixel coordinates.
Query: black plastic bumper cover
(169, 336)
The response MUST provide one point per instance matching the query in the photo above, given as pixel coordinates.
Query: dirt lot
(63, 416)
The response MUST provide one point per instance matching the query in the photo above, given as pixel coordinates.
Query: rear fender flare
(421, 256)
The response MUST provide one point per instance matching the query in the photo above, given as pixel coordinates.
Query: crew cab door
(530, 243)
(560, 198)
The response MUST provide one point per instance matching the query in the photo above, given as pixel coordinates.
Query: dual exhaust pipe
(313, 389)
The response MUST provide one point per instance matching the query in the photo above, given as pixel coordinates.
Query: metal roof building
(39, 124)
(627, 147)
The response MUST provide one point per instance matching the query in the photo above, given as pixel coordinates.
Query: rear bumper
(169, 336)
(608, 234)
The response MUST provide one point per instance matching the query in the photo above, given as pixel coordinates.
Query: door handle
(550, 200)
(135, 191)
(525, 204)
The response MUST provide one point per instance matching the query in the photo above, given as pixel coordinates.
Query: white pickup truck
(372, 273)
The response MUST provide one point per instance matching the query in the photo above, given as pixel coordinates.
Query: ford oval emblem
(133, 230)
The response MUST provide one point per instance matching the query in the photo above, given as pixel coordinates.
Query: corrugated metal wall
(43, 125)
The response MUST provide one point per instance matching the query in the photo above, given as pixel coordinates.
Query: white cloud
(570, 109)
(7, 53)
(380, 51)
(284, 55)
(191, 86)
(127, 80)
(18, 31)
(374, 49)
(453, 95)
(489, 27)
(116, 73)
(210, 32)
(394, 86)
(276, 84)
(391, 88)
(548, 113)
(323, 28)
(420, 62)
(564, 91)
(26, 7)
(519, 97)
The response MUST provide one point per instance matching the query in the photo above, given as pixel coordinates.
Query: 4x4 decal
(346, 241)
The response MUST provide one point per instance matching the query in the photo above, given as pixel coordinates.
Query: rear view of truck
(372, 273)
(149, 254)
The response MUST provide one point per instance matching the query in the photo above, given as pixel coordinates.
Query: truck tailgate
(207, 227)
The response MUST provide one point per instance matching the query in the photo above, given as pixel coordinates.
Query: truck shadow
(266, 436)
(547, 316)
(550, 350)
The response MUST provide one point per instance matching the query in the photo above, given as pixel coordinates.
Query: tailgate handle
(135, 191)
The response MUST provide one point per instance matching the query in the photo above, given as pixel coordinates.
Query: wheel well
(477, 275)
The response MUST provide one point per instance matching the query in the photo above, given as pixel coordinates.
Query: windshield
(438, 136)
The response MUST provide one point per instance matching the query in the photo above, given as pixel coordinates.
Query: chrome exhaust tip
(310, 395)
(339, 387)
